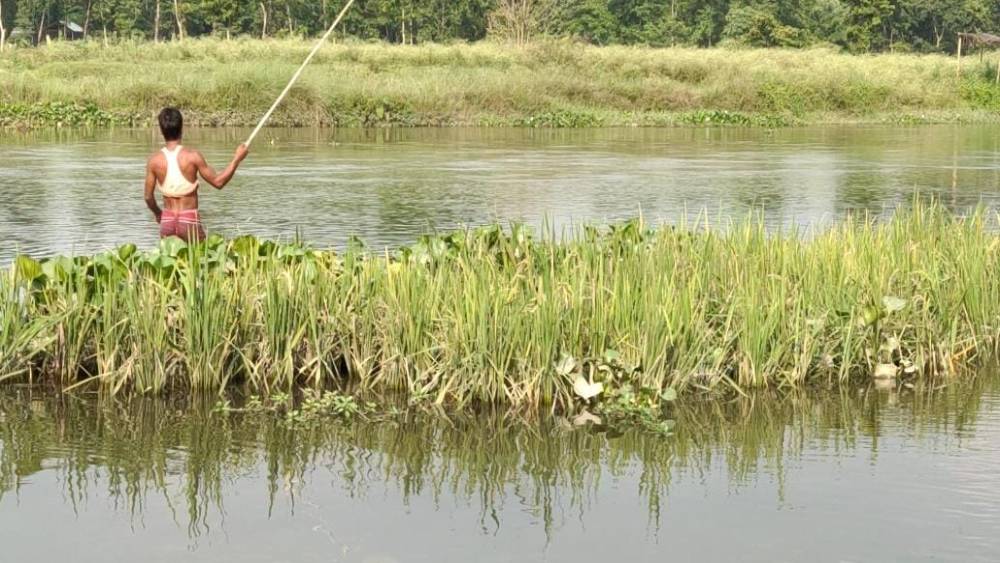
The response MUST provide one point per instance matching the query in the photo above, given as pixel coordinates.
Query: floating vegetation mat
(622, 317)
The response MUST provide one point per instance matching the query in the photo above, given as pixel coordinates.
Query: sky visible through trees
(854, 25)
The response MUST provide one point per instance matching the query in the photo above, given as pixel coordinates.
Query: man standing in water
(175, 171)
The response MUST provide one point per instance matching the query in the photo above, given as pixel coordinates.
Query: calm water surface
(872, 476)
(80, 192)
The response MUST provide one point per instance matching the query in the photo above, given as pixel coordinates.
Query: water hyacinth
(511, 317)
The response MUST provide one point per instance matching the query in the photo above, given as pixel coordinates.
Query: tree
(866, 20)
(518, 21)
(858, 25)
(760, 26)
(156, 23)
(3, 29)
(86, 18)
(707, 26)
(824, 20)
(263, 23)
(130, 18)
(219, 14)
(178, 19)
(650, 22)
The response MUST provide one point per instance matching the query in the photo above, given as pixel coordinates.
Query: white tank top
(175, 184)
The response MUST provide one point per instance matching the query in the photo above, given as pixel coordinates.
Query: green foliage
(545, 84)
(561, 118)
(982, 92)
(605, 384)
(611, 320)
(867, 20)
(723, 117)
(760, 26)
(858, 25)
(60, 114)
(371, 112)
(314, 407)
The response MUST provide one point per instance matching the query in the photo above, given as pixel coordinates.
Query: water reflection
(79, 191)
(875, 467)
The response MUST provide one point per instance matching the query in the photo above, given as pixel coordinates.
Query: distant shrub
(980, 93)
(723, 117)
(561, 118)
(59, 114)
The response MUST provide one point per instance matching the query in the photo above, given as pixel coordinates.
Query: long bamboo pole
(295, 77)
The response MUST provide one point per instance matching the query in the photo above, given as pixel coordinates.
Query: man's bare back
(175, 170)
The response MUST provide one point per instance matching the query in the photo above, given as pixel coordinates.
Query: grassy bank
(508, 318)
(556, 84)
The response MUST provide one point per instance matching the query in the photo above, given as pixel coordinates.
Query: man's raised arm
(219, 180)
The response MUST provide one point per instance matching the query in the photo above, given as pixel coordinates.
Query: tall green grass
(559, 84)
(505, 316)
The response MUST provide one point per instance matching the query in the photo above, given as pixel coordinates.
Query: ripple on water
(84, 194)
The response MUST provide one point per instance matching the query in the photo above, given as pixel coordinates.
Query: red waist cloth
(185, 225)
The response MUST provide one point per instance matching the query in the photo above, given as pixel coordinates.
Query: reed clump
(505, 316)
(545, 84)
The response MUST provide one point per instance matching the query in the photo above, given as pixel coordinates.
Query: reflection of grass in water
(142, 447)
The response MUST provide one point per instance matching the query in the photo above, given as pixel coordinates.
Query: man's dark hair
(171, 124)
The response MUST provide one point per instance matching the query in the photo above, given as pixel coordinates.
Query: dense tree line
(857, 25)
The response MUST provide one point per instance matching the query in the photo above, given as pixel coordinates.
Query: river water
(872, 476)
(66, 192)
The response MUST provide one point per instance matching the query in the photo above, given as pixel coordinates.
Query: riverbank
(623, 318)
(555, 84)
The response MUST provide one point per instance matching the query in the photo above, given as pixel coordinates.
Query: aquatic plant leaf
(27, 268)
(585, 389)
(126, 251)
(267, 248)
(172, 246)
(105, 264)
(59, 268)
(290, 253)
(162, 262)
(245, 246)
(566, 365)
(893, 304)
(214, 240)
(869, 316)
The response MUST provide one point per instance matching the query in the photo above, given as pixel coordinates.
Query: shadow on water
(126, 452)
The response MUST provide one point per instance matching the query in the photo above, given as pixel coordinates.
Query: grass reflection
(129, 450)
